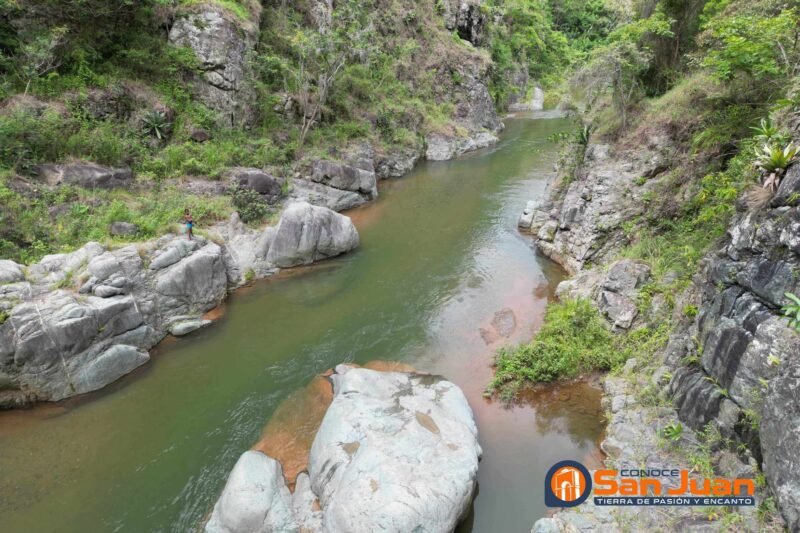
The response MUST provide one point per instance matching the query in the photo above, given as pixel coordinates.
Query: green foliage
(676, 245)
(522, 35)
(673, 431)
(66, 218)
(3, 316)
(155, 123)
(690, 310)
(773, 158)
(252, 207)
(760, 46)
(767, 132)
(792, 310)
(573, 339)
(619, 66)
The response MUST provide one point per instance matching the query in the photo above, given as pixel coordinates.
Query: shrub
(252, 207)
(573, 339)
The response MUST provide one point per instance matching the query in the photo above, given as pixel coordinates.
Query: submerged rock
(395, 452)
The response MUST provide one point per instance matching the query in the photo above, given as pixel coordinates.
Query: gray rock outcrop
(123, 228)
(584, 223)
(534, 103)
(735, 366)
(258, 180)
(86, 175)
(338, 185)
(466, 18)
(395, 452)
(750, 356)
(255, 499)
(308, 233)
(614, 292)
(222, 43)
(79, 321)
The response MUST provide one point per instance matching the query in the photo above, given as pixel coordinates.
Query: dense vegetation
(573, 340)
(720, 79)
(99, 81)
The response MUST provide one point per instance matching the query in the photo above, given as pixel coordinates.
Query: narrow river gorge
(442, 279)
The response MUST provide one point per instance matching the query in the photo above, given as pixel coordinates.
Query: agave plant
(155, 123)
(774, 161)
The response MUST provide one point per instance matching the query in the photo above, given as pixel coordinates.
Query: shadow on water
(442, 279)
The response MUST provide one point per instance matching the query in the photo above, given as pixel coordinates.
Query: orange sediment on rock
(216, 313)
(290, 432)
(389, 366)
(288, 435)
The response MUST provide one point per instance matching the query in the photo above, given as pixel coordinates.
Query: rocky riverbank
(395, 451)
(76, 322)
(729, 370)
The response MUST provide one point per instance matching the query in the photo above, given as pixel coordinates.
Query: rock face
(465, 17)
(633, 439)
(475, 116)
(86, 175)
(750, 356)
(222, 42)
(735, 366)
(258, 180)
(614, 292)
(396, 452)
(308, 233)
(535, 103)
(123, 228)
(444, 147)
(61, 343)
(584, 224)
(79, 321)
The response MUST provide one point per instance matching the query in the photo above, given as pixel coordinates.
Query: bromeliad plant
(774, 160)
(792, 310)
(767, 132)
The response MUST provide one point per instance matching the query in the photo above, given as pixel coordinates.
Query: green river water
(440, 255)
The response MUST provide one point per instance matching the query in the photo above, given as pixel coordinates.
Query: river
(440, 256)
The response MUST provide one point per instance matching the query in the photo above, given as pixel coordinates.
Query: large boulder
(395, 452)
(441, 147)
(81, 320)
(11, 272)
(308, 233)
(255, 499)
(258, 180)
(87, 175)
(324, 196)
(222, 43)
(345, 177)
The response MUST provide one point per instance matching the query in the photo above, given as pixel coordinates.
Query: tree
(618, 66)
(322, 54)
(40, 55)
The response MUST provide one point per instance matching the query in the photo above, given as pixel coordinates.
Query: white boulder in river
(308, 233)
(395, 452)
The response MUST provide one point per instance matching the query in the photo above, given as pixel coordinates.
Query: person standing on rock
(189, 221)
